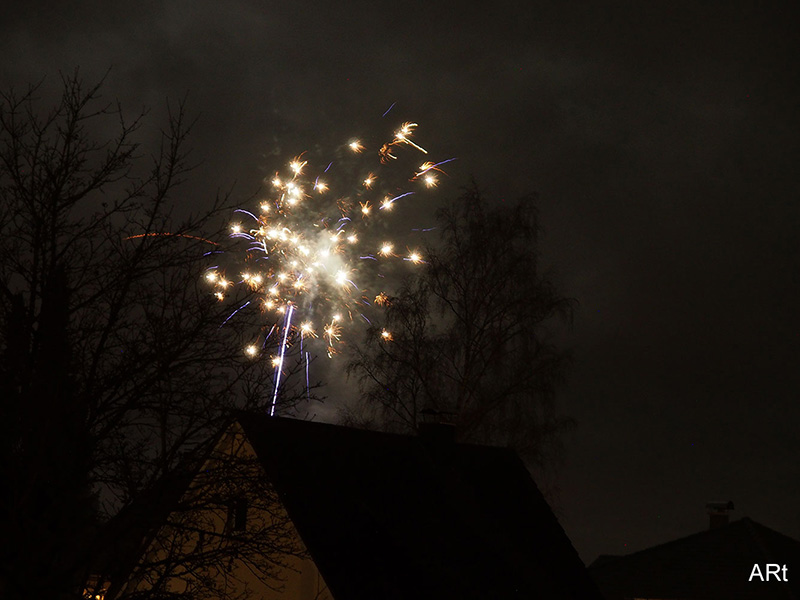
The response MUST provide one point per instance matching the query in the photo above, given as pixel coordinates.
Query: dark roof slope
(392, 516)
(713, 564)
(122, 541)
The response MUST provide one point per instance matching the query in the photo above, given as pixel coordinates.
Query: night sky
(662, 139)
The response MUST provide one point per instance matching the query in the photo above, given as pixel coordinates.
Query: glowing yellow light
(406, 129)
(282, 276)
(369, 181)
(211, 276)
(387, 336)
(307, 329)
(356, 146)
(275, 361)
(269, 304)
(336, 318)
(382, 299)
(414, 257)
(299, 284)
(430, 181)
(352, 239)
(386, 153)
(365, 208)
(219, 296)
(264, 207)
(223, 283)
(277, 181)
(251, 350)
(321, 187)
(297, 166)
(386, 249)
(386, 204)
(341, 277)
(236, 228)
(332, 332)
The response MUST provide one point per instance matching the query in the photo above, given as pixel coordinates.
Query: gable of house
(220, 532)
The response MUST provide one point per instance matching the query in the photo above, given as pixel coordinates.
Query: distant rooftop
(712, 564)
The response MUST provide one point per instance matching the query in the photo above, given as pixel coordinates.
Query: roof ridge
(613, 558)
(751, 528)
(757, 531)
(240, 415)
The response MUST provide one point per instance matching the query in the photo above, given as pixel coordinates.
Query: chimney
(718, 513)
(440, 434)
(433, 429)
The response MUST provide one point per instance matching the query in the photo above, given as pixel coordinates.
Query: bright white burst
(307, 248)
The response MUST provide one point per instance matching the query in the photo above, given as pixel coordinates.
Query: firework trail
(279, 367)
(309, 248)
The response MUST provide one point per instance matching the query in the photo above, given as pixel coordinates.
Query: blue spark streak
(388, 109)
(233, 313)
(241, 210)
(308, 393)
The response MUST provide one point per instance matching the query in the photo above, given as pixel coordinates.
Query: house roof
(122, 541)
(711, 564)
(393, 516)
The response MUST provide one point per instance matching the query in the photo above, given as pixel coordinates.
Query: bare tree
(214, 528)
(114, 362)
(468, 337)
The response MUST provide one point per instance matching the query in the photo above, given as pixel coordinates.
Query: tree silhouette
(114, 364)
(467, 339)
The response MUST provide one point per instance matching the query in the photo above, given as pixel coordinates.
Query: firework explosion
(310, 255)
